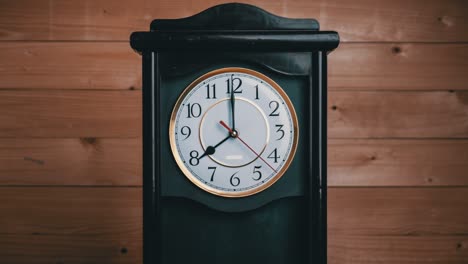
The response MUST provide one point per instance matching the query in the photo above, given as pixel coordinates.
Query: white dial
(233, 132)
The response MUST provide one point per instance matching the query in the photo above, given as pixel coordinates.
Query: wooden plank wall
(70, 136)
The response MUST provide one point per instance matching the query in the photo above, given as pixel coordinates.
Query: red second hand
(230, 131)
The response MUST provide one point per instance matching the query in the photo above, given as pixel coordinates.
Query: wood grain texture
(103, 225)
(398, 115)
(71, 225)
(73, 161)
(108, 65)
(70, 128)
(70, 114)
(399, 67)
(355, 249)
(117, 162)
(70, 65)
(397, 162)
(398, 211)
(75, 114)
(361, 20)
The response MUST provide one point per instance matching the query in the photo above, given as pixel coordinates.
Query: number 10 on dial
(233, 132)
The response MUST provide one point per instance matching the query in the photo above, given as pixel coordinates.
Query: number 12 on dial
(233, 132)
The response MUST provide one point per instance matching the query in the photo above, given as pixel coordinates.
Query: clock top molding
(234, 27)
(235, 16)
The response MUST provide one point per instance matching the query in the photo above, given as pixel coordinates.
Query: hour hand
(210, 150)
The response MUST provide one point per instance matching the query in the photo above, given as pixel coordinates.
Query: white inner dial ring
(250, 124)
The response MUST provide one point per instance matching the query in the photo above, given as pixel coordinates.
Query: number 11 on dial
(233, 132)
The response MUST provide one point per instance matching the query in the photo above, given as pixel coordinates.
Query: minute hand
(232, 108)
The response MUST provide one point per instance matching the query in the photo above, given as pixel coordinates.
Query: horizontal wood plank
(399, 67)
(80, 161)
(398, 211)
(117, 162)
(366, 225)
(31, 65)
(345, 249)
(398, 115)
(397, 162)
(78, 114)
(361, 20)
(70, 114)
(71, 225)
(110, 65)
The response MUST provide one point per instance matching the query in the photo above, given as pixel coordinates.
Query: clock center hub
(234, 133)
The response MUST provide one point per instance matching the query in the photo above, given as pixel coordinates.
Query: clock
(233, 132)
(234, 138)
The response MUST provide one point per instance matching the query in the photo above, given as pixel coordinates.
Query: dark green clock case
(285, 223)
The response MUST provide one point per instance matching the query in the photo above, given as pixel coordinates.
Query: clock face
(233, 132)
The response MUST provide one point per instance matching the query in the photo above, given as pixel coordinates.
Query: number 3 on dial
(233, 132)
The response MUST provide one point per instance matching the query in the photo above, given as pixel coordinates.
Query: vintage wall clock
(234, 137)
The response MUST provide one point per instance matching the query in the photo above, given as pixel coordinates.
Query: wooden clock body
(285, 223)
